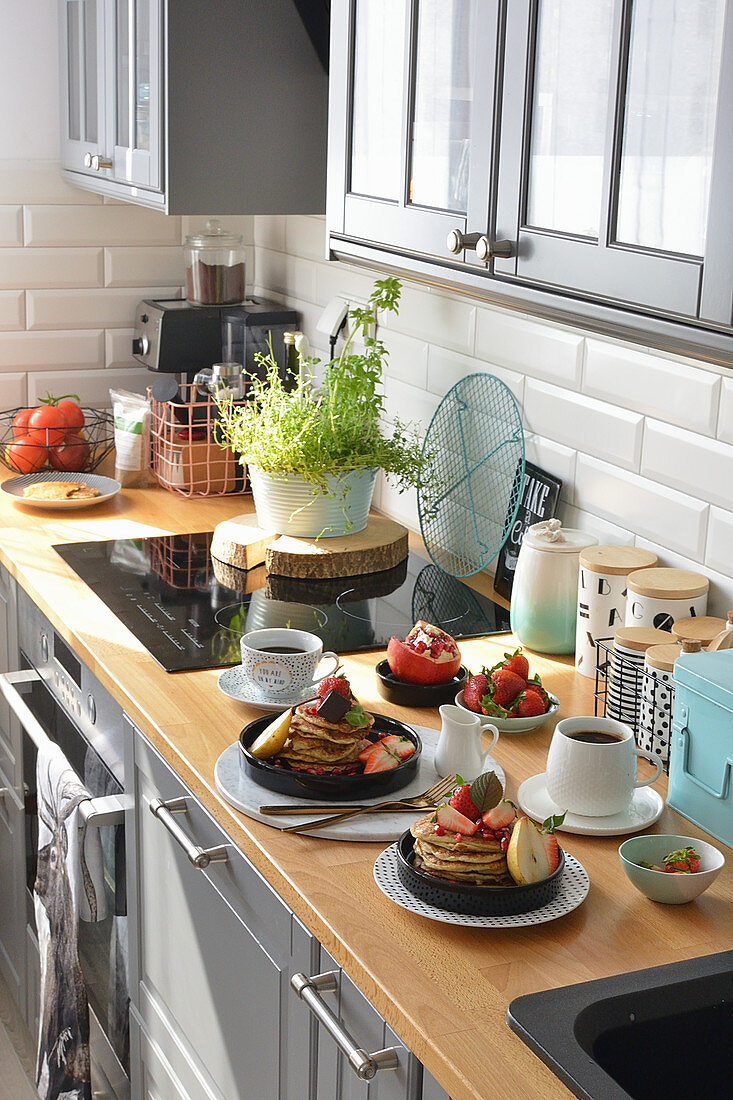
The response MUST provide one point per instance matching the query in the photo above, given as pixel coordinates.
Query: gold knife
(301, 810)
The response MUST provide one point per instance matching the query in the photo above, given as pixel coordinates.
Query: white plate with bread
(57, 490)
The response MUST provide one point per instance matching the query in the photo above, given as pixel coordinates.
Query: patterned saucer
(235, 683)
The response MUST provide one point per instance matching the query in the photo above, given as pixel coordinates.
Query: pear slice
(273, 737)
(527, 857)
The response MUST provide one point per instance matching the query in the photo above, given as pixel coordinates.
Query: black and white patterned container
(602, 596)
(657, 700)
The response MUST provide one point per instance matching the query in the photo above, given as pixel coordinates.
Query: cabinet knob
(140, 345)
(95, 162)
(486, 249)
(457, 240)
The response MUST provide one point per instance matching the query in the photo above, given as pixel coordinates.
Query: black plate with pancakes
(303, 784)
(476, 901)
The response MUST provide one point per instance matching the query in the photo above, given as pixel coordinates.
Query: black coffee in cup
(279, 649)
(595, 737)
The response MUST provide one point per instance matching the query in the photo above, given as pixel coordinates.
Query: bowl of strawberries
(507, 696)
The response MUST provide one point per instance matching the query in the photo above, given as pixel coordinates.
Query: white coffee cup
(281, 660)
(594, 776)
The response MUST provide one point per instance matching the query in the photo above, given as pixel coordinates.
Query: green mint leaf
(551, 823)
(486, 791)
(356, 717)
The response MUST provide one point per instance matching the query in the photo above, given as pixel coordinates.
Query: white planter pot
(291, 506)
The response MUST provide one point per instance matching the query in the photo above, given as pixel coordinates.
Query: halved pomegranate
(427, 656)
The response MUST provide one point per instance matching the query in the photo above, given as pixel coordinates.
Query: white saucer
(235, 683)
(646, 808)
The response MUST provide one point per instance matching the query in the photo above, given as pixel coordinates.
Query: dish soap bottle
(545, 591)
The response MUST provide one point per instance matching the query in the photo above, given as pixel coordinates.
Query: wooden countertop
(443, 989)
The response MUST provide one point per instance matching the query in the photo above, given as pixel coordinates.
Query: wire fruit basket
(80, 451)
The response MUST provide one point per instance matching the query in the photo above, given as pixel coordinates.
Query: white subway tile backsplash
(12, 391)
(269, 232)
(554, 459)
(12, 310)
(112, 308)
(445, 368)
(606, 533)
(284, 275)
(27, 268)
(688, 462)
(38, 351)
(720, 597)
(92, 386)
(725, 420)
(408, 358)
(11, 226)
(658, 387)
(401, 507)
(410, 404)
(143, 266)
(652, 511)
(105, 225)
(583, 423)
(536, 349)
(337, 279)
(118, 348)
(719, 552)
(305, 236)
(437, 318)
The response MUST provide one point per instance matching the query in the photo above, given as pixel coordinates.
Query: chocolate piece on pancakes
(316, 742)
(472, 860)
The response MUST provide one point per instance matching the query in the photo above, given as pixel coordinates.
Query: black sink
(657, 1034)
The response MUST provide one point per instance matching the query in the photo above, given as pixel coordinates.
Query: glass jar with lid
(214, 267)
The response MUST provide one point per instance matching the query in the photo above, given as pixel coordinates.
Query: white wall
(643, 442)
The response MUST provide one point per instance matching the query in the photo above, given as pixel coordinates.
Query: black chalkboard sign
(540, 494)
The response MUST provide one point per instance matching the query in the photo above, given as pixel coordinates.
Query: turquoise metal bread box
(701, 752)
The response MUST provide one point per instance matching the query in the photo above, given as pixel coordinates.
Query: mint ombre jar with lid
(544, 597)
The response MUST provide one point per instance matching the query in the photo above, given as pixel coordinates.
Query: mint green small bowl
(661, 885)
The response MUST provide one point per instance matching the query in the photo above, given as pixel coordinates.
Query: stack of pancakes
(314, 742)
(472, 860)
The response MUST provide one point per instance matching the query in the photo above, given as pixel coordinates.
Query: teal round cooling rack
(472, 482)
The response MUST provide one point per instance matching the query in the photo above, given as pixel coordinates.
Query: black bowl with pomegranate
(424, 670)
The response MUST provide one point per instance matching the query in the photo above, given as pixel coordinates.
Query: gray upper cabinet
(189, 107)
(575, 157)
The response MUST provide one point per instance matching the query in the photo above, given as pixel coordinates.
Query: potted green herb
(313, 454)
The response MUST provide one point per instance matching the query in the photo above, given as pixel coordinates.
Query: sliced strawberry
(500, 816)
(396, 743)
(454, 822)
(553, 851)
(474, 691)
(367, 750)
(380, 759)
(461, 800)
(684, 861)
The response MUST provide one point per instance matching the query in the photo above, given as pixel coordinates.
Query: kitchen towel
(64, 887)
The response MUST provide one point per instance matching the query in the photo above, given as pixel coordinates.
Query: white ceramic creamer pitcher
(459, 746)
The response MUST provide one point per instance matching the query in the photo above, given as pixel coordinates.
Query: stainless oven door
(102, 944)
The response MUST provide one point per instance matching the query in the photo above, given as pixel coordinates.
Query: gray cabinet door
(12, 889)
(412, 86)
(336, 1080)
(215, 949)
(10, 734)
(83, 76)
(613, 118)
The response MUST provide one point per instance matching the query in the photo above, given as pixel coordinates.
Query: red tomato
(26, 455)
(72, 454)
(20, 422)
(47, 425)
(72, 413)
(427, 656)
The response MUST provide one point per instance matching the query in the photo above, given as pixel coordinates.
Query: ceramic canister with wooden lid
(698, 628)
(659, 597)
(657, 699)
(602, 596)
(626, 671)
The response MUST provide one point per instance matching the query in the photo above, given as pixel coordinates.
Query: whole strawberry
(517, 662)
(333, 683)
(474, 691)
(529, 704)
(507, 686)
(461, 800)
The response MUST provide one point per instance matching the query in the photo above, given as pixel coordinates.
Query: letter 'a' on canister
(602, 597)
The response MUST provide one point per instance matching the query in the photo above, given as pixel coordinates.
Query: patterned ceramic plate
(107, 487)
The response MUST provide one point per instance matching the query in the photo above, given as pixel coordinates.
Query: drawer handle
(364, 1065)
(199, 857)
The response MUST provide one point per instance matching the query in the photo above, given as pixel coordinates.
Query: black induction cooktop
(190, 610)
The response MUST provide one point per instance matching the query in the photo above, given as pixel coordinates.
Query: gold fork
(425, 801)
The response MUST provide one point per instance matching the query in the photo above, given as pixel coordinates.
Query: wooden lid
(662, 657)
(701, 627)
(639, 638)
(616, 560)
(668, 584)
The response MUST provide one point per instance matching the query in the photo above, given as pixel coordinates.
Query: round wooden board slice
(381, 545)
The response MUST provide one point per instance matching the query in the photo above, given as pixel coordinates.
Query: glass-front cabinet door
(81, 27)
(606, 161)
(135, 108)
(419, 74)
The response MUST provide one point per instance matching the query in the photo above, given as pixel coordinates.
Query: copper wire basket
(98, 434)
